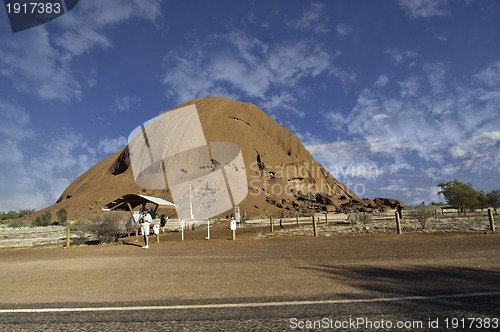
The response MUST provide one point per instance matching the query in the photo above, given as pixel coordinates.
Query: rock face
(282, 176)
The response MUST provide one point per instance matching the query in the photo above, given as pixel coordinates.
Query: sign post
(233, 228)
(182, 229)
(208, 229)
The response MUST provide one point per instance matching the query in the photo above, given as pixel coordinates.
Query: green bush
(44, 220)
(108, 226)
(14, 214)
(62, 217)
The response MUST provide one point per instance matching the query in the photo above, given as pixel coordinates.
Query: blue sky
(393, 97)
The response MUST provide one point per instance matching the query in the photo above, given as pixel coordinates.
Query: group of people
(145, 221)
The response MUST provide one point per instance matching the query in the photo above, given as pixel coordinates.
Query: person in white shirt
(144, 220)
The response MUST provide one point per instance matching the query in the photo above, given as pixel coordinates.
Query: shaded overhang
(129, 202)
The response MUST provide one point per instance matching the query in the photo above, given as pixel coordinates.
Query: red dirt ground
(220, 268)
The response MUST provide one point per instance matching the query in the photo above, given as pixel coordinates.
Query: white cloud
(83, 28)
(437, 75)
(111, 145)
(247, 68)
(314, 19)
(39, 175)
(13, 122)
(125, 104)
(37, 168)
(489, 75)
(399, 164)
(379, 117)
(410, 87)
(284, 100)
(382, 81)
(343, 29)
(11, 153)
(292, 62)
(424, 8)
(33, 64)
(481, 149)
(40, 61)
(64, 153)
(414, 194)
(92, 78)
(413, 120)
(347, 77)
(346, 160)
(416, 137)
(336, 120)
(403, 57)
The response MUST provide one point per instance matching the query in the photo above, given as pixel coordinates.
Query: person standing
(399, 210)
(163, 222)
(145, 220)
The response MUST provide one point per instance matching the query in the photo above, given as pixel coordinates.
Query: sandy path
(278, 267)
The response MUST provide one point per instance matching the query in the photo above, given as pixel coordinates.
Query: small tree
(421, 213)
(494, 199)
(44, 220)
(461, 195)
(108, 226)
(62, 216)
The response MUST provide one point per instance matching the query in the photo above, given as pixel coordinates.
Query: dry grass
(382, 224)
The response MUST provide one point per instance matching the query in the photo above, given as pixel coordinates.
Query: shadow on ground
(414, 280)
(435, 284)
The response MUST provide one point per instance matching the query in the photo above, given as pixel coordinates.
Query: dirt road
(294, 268)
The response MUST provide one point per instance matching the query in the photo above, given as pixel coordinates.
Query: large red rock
(282, 175)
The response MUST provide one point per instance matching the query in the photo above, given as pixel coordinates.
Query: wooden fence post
(297, 217)
(398, 223)
(271, 224)
(315, 230)
(492, 219)
(326, 217)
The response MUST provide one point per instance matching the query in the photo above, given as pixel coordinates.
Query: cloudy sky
(393, 97)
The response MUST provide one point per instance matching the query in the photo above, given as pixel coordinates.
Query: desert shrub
(364, 218)
(359, 218)
(81, 228)
(81, 239)
(18, 224)
(81, 225)
(421, 213)
(108, 226)
(44, 220)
